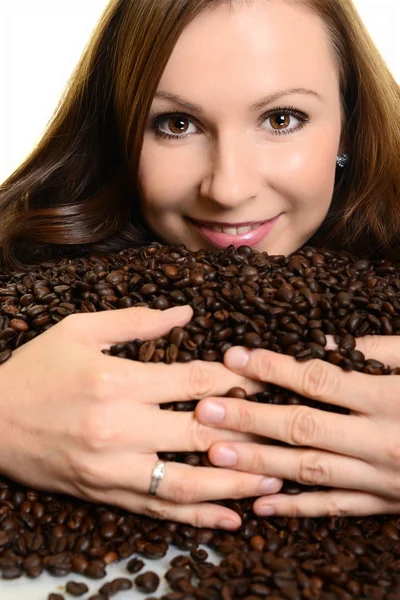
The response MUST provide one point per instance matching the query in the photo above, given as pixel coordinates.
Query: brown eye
(178, 122)
(279, 121)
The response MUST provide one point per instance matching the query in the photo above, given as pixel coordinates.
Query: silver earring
(342, 160)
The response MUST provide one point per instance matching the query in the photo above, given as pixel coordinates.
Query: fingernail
(330, 343)
(269, 485)
(236, 358)
(227, 524)
(211, 412)
(225, 456)
(265, 511)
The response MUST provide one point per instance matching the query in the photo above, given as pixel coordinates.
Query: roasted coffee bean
(176, 573)
(347, 342)
(108, 530)
(11, 572)
(122, 583)
(135, 565)
(79, 564)
(236, 392)
(109, 589)
(4, 538)
(146, 351)
(5, 355)
(318, 336)
(252, 340)
(257, 542)
(147, 582)
(199, 555)
(180, 561)
(239, 297)
(76, 589)
(94, 571)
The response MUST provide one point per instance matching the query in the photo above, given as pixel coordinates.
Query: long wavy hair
(77, 191)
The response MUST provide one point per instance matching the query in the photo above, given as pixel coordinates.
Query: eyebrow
(253, 108)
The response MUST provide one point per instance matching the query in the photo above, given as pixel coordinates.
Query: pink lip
(223, 240)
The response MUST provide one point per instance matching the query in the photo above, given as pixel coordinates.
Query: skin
(236, 165)
(75, 421)
(232, 168)
(358, 454)
(78, 422)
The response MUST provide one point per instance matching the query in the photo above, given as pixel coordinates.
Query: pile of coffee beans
(285, 304)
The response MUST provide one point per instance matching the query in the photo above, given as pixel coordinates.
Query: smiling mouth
(230, 228)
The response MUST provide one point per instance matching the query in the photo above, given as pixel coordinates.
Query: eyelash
(284, 110)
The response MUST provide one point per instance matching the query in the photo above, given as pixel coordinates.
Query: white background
(40, 43)
(42, 40)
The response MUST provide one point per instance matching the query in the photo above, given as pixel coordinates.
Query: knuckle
(312, 470)
(302, 427)
(97, 384)
(241, 487)
(183, 491)
(257, 462)
(244, 421)
(292, 510)
(392, 483)
(318, 379)
(393, 454)
(201, 518)
(336, 508)
(202, 436)
(89, 474)
(200, 380)
(155, 510)
(97, 431)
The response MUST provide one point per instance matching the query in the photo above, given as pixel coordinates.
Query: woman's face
(235, 173)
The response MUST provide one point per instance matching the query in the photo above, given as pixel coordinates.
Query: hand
(358, 454)
(76, 421)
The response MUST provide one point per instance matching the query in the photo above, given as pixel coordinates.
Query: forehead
(267, 44)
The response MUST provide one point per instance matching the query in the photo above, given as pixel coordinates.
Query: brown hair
(77, 191)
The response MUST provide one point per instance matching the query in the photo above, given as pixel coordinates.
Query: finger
(159, 383)
(296, 425)
(181, 432)
(173, 431)
(344, 503)
(386, 348)
(308, 467)
(182, 484)
(103, 329)
(315, 379)
(202, 515)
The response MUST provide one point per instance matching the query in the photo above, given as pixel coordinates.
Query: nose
(233, 178)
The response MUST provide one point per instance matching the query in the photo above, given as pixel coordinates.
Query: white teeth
(232, 230)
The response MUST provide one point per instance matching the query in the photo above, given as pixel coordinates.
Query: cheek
(162, 180)
(309, 175)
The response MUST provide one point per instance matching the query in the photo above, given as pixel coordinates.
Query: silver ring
(156, 476)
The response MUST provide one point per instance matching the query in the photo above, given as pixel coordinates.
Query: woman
(316, 161)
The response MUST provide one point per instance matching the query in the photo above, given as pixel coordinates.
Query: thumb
(385, 348)
(109, 327)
